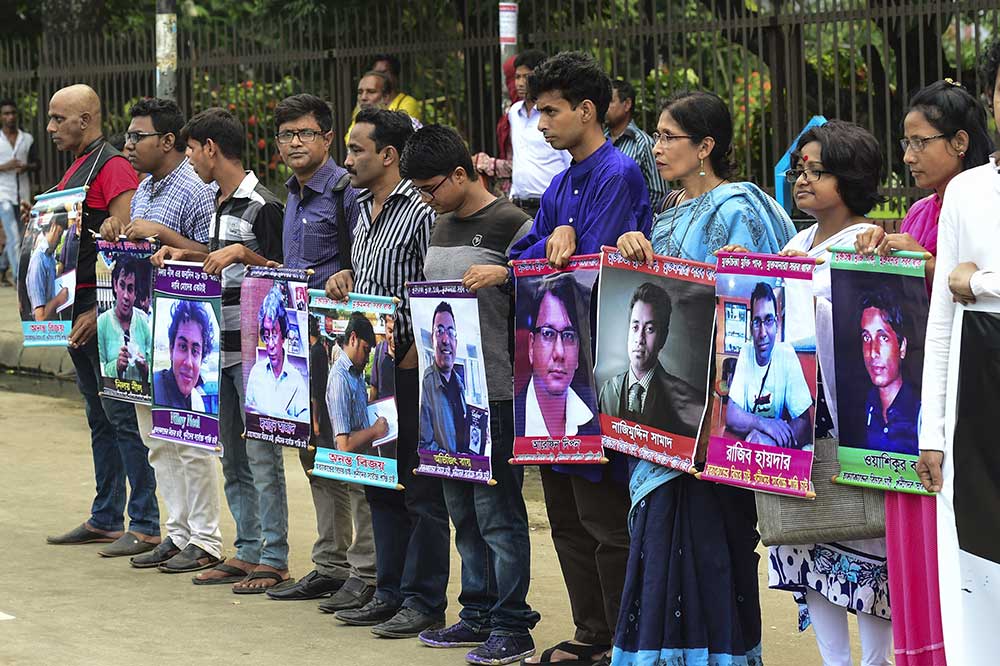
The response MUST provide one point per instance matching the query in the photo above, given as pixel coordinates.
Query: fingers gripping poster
(654, 344)
(880, 310)
(360, 394)
(187, 304)
(454, 440)
(125, 319)
(274, 325)
(765, 355)
(555, 399)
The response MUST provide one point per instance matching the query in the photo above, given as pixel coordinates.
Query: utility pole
(508, 41)
(166, 49)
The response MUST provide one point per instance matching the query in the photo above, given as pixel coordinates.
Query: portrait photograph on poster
(454, 440)
(763, 420)
(274, 328)
(186, 354)
(654, 347)
(880, 308)
(125, 319)
(555, 398)
(46, 281)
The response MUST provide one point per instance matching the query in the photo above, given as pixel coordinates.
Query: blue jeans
(491, 535)
(254, 481)
(118, 453)
(8, 217)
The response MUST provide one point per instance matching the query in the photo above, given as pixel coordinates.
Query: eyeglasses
(136, 137)
(429, 193)
(305, 136)
(667, 138)
(918, 143)
(812, 175)
(268, 336)
(769, 321)
(548, 334)
(442, 331)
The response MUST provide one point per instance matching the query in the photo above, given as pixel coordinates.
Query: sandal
(586, 655)
(281, 583)
(235, 575)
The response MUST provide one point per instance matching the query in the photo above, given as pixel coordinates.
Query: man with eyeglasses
(443, 412)
(646, 393)
(275, 387)
(769, 399)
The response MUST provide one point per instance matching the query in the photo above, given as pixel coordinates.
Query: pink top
(921, 222)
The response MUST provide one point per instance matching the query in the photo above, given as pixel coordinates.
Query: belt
(526, 203)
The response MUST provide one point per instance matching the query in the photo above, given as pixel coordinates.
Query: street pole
(508, 41)
(166, 49)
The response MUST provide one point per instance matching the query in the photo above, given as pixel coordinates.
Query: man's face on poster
(443, 336)
(883, 351)
(554, 347)
(274, 341)
(645, 337)
(124, 295)
(763, 328)
(185, 356)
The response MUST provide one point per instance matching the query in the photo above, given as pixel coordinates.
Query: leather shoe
(155, 557)
(407, 623)
(127, 544)
(372, 613)
(192, 558)
(313, 585)
(355, 593)
(79, 534)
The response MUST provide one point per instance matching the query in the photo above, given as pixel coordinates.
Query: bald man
(74, 124)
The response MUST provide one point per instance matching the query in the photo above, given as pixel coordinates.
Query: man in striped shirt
(628, 138)
(246, 230)
(390, 243)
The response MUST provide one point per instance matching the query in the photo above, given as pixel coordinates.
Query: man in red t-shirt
(75, 126)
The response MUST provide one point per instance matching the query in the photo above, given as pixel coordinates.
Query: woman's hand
(634, 246)
(733, 248)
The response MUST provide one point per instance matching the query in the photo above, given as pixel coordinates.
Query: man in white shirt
(275, 387)
(18, 157)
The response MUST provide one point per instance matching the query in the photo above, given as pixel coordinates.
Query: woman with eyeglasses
(691, 590)
(945, 133)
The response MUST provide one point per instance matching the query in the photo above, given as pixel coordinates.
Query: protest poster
(879, 319)
(654, 348)
(555, 399)
(187, 305)
(454, 440)
(763, 426)
(274, 329)
(46, 281)
(124, 319)
(375, 464)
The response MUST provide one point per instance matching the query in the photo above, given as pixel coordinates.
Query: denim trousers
(491, 535)
(11, 254)
(119, 453)
(254, 474)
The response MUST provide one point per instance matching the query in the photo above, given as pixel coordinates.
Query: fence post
(166, 49)
(508, 41)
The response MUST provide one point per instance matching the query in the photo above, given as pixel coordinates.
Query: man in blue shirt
(349, 405)
(599, 197)
(41, 275)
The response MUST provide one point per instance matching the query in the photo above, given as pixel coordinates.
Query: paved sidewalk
(13, 356)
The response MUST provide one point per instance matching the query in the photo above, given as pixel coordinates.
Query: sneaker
(457, 635)
(502, 649)
(374, 612)
(407, 623)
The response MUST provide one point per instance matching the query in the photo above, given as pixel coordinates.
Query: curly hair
(182, 312)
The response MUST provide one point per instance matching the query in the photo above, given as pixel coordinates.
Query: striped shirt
(639, 146)
(346, 397)
(389, 251)
(180, 201)
(252, 216)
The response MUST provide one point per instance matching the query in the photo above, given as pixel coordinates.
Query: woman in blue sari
(691, 596)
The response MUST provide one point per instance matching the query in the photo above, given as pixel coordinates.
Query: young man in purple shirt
(599, 197)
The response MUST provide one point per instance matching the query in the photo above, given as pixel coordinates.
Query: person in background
(621, 128)
(391, 67)
(18, 159)
(498, 168)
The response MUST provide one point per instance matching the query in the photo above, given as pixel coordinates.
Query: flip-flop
(257, 575)
(586, 655)
(235, 575)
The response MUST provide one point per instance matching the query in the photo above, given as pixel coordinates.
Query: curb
(50, 361)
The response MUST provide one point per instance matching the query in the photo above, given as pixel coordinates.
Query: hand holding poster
(454, 439)
(364, 408)
(46, 285)
(124, 319)
(762, 435)
(274, 326)
(555, 399)
(879, 322)
(654, 387)
(186, 313)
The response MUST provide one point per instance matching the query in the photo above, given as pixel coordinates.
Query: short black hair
(659, 300)
(297, 106)
(218, 125)
(763, 291)
(391, 128)
(166, 116)
(8, 101)
(394, 65)
(703, 114)
(435, 150)
(884, 299)
(563, 287)
(184, 311)
(625, 91)
(853, 156)
(987, 70)
(361, 327)
(314, 326)
(531, 59)
(949, 107)
(576, 76)
(128, 265)
(443, 306)
(273, 308)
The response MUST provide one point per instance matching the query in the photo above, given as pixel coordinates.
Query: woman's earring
(701, 166)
